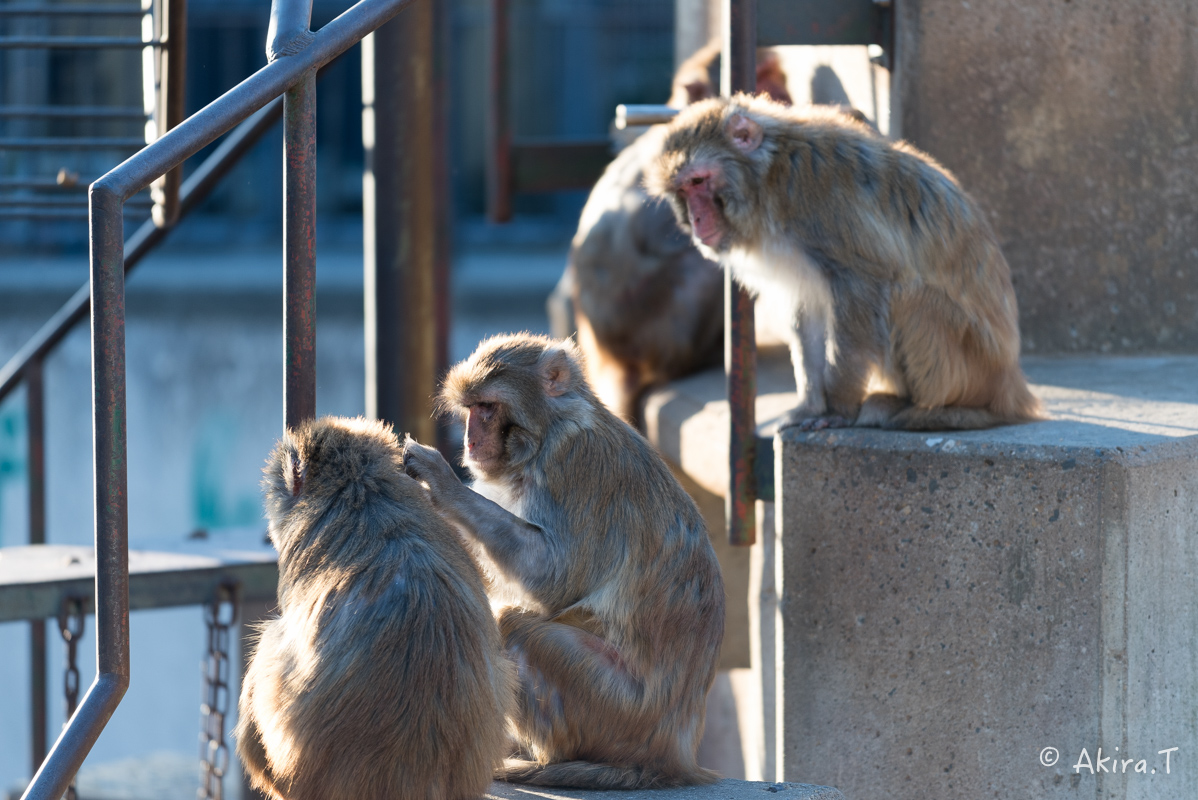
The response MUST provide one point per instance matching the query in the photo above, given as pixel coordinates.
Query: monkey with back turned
(382, 677)
(599, 567)
(647, 305)
(897, 294)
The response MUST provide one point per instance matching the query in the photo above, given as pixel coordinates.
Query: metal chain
(220, 615)
(70, 622)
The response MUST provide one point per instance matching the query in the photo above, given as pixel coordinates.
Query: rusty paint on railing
(739, 74)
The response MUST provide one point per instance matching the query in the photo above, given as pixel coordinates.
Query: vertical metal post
(111, 500)
(299, 252)
(288, 34)
(401, 218)
(499, 131)
(738, 73)
(172, 65)
(35, 415)
(443, 202)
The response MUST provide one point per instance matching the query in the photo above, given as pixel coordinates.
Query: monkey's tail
(590, 775)
(1012, 402)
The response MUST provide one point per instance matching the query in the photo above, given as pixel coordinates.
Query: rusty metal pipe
(173, 58)
(631, 115)
(35, 426)
(299, 252)
(287, 33)
(738, 73)
(402, 214)
(499, 130)
(204, 126)
(111, 507)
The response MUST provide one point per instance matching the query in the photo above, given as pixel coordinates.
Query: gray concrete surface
(1073, 124)
(945, 606)
(724, 790)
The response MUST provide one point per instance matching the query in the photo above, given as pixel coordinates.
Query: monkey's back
(650, 298)
(382, 677)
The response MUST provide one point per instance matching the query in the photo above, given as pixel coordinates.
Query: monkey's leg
(808, 357)
(561, 665)
(952, 374)
(840, 383)
(584, 714)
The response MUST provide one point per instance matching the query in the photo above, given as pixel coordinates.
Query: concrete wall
(1073, 122)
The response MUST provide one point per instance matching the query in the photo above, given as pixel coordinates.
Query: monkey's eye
(484, 410)
(697, 181)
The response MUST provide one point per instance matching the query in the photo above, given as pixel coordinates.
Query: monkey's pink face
(698, 186)
(485, 423)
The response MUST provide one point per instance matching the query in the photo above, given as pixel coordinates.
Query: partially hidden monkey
(647, 305)
(888, 275)
(383, 676)
(599, 568)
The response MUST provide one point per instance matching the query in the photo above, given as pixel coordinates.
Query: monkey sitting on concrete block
(889, 277)
(648, 307)
(599, 568)
(383, 675)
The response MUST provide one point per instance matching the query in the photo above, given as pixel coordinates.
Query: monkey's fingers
(816, 423)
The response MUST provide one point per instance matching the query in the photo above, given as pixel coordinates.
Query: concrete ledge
(932, 611)
(724, 790)
(1127, 402)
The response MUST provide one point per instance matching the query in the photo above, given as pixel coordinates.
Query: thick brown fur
(382, 677)
(648, 306)
(599, 568)
(898, 295)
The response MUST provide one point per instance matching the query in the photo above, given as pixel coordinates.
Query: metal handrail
(195, 189)
(107, 197)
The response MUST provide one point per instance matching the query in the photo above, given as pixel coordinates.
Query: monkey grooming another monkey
(383, 676)
(599, 568)
(890, 278)
(647, 305)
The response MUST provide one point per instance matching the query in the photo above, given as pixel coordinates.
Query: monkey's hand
(429, 467)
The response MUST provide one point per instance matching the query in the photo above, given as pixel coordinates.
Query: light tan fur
(382, 677)
(886, 271)
(599, 568)
(648, 306)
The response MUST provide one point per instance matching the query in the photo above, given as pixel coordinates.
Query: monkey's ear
(557, 372)
(294, 472)
(745, 133)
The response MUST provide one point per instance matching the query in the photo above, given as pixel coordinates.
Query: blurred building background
(571, 61)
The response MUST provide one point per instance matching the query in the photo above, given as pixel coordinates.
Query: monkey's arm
(516, 545)
(253, 755)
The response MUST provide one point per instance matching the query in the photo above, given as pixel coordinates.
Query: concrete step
(724, 790)
(930, 612)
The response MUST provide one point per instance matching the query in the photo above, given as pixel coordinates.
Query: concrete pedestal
(933, 611)
(724, 790)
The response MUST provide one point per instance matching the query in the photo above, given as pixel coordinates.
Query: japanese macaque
(599, 568)
(383, 675)
(647, 305)
(888, 275)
